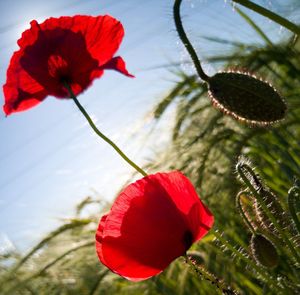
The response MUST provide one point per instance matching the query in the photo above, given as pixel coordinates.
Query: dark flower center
(188, 239)
(58, 68)
(53, 62)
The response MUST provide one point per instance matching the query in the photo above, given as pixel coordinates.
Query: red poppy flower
(151, 223)
(73, 50)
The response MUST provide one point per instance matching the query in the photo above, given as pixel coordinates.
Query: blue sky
(49, 158)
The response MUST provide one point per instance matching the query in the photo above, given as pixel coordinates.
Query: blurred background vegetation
(206, 146)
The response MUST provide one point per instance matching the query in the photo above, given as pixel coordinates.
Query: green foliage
(206, 145)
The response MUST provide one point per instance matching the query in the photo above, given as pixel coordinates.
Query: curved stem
(272, 281)
(265, 208)
(270, 15)
(202, 272)
(100, 134)
(186, 42)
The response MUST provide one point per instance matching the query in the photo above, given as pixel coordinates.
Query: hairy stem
(186, 42)
(203, 273)
(266, 277)
(241, 171)
(294, 193)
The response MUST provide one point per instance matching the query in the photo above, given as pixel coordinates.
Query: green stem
(270, 15)
(294, 193)
(202, 272)
(265, 208)
(186, 42)
(267, 277)
(100, 134)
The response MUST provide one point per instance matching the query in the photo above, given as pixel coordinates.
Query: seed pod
(246, 98)
(263, 251)
(245, 169)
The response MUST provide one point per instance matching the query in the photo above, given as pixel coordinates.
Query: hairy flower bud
(246, 98)
(263, 251)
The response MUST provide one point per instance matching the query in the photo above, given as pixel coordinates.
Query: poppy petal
(21, 91)
(117, 63)
(61, 50)
(103, 34)
(184, 195)
(99, 236)
(147, 227)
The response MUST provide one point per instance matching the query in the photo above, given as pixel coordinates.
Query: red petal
(150, 224)
(117, 64)
(21, 91)
(65, 49)
(51, 58)
(103, 34)
(99, 236)
(184, 195)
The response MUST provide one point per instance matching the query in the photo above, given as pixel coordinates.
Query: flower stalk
(245, 172)
(187, 44)
(203, 273)
(268, 278)
(101, 135)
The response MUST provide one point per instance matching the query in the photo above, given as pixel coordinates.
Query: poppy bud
(246, 98)
(245, 170)
(263, 251)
